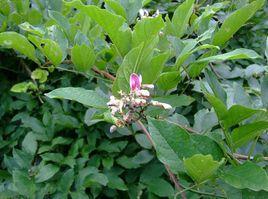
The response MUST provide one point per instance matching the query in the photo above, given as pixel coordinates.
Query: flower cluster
(129, 107)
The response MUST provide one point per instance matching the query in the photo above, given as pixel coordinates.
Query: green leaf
(132, 8)
(46, 172)
(248, 175)
(19, 43)
(81, 95)
(53, 157)
(235, 21)
(243, 134)
(264, 91)
(49, 48)
(5, 7)
(130, 64)
(112, 147)
(66, 181)
(201, 167)
(22, 158)
(151, 73)
(236, 114)
(168, 80)
(83, 57)
(20, 87)
(240, 53)
(98, 178)
(176, 100)
(127, 162)
(215, 86)
(173, 144)
(142, 140)
(24, 184)
(40, 74)
(107, 162)
(116, 7)
(61, 20)
(118, 30)
(29, 144)
(115, 182)
(160, 187)
(146, 29)
(181, 17)
(217, 104)
(32, 29)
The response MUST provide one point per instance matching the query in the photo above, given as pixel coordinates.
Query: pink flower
(135, 82)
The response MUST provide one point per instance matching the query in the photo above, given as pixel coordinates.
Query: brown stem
(103, 73)
(171, 175)
(245, 157)
(95, 69)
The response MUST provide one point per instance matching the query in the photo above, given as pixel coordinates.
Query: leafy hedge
(61, 61)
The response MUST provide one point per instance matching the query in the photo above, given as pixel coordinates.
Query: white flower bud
(114, 110)
(166, 106)
(156, 14)
(148, 86)
(143, 93)
(143, 13)
(113, 101)
(113, 128)
(160, 104)
(139, 102)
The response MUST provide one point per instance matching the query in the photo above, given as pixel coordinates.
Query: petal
(135, 82)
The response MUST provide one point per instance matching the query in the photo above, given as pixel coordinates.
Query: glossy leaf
(174, 143)
(50, 48)
(83, 57)
(264, 91)
(24, 184)
(81, 95)
(235, 21)
(181, 17)
(130, 65)
(201, 167)
(248, 175)
(176, 100)
(215, 86)
(19, 43)
(168, 80)
(243, 134)
(240, 53)
(146, 29)
(151, 72)
(46, 172)
(118, 31)
(160, 187)
(236, 114)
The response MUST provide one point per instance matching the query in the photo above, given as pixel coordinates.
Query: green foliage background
(208, 59)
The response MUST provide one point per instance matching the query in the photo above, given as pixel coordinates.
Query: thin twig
(95, 69)
(104, 73)
(204, 193)
(245, 157)
(171, 175)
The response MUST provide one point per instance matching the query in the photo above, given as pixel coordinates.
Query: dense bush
(201, 132)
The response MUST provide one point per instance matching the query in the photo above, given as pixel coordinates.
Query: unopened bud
(113, 128)
(156, 14)
(148, 86)
(143, 93)
(139, 102)
(160, 104)
(113, 101)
